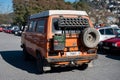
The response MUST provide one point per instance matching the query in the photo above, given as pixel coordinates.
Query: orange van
(60, 38)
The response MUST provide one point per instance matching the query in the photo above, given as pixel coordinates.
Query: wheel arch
(38, 52)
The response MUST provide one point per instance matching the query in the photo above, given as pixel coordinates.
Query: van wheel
(39, 62)
(84, 66)
(90, 37)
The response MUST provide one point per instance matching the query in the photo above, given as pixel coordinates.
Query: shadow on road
(112, 55)
(115, 56)
(16, 59)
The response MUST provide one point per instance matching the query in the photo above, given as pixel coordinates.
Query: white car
(114, 25)
(107, 32)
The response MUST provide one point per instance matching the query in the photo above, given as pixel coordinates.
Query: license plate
(72, 53)
(106, 47)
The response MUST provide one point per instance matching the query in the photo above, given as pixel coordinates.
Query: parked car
(1, 29)
(8, 29)
(112, 44)
(107, 32)
(114, 25)
(60, 38)
(16, 30)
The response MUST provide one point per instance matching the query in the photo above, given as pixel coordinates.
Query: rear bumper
(68, 59)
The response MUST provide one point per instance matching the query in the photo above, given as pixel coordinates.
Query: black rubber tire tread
(39, 62)
(83, 66)
(92, 34)
(26, 54)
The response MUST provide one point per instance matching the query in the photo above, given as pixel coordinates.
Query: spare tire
(90, 37)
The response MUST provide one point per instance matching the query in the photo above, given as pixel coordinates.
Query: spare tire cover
(90, 37)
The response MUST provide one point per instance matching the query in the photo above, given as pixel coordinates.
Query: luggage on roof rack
(73, 22)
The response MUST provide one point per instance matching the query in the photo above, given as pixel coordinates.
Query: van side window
(40, 26)
(32, 26)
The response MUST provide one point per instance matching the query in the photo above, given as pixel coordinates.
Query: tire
(100, 50)
(90, 37)
(39, 63)
(42, 64)
(26, 54)
(84, 66)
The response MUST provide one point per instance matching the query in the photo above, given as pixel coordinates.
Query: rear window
(116, 30)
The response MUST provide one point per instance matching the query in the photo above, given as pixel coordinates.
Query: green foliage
(24, 8)
(6, 18)
(81, 5)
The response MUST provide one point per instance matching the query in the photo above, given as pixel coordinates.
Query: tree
(81, 5)
(24, 8)
(5, 17)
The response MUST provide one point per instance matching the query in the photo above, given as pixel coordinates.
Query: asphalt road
(13, 66)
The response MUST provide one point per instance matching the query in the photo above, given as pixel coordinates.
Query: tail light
(59, 42)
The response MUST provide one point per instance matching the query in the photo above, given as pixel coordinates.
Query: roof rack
(58, 12)
(70, 22)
